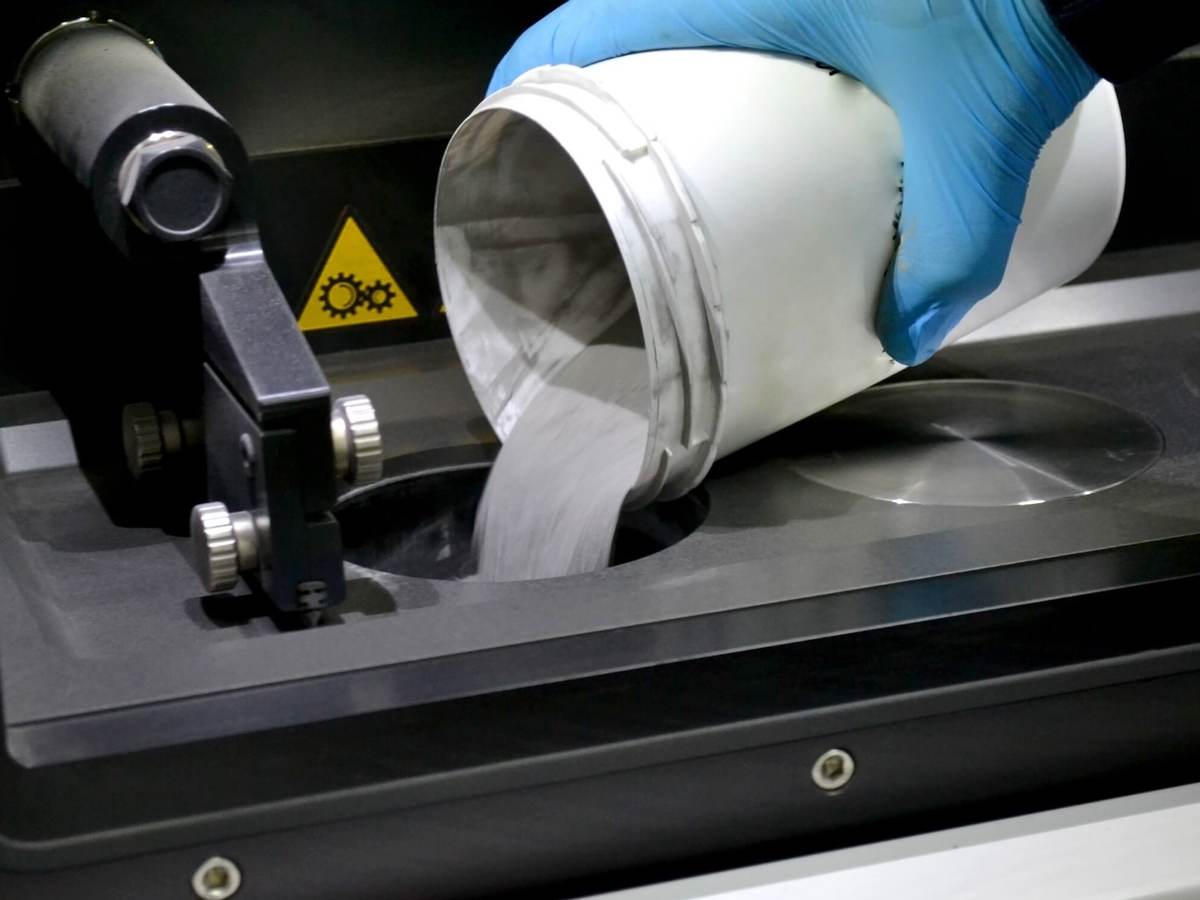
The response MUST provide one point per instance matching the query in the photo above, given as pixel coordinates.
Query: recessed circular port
(216, 879)
(974, 443)
(422, 525)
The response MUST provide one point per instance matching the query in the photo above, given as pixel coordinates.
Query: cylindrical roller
(156, 157)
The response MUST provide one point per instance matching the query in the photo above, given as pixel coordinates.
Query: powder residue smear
(555, 493)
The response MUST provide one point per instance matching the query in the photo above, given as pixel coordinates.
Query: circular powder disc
(975, 443)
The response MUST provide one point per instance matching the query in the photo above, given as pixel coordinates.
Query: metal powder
(555, 493)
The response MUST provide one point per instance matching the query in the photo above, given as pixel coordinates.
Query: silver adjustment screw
(224, 545)
(144, 448)
(216, 879)
(154, 436)
(357, 441)
(833, 770)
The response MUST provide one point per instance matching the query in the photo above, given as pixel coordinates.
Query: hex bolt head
(216, 879)
(833, 770)
(175, 186)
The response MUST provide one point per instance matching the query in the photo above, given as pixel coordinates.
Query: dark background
(349, 103)
(312, 74)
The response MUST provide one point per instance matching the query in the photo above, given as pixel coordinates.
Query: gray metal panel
(36, 447)
(1137, 847)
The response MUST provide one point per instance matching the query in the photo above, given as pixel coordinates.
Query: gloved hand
(978, 86)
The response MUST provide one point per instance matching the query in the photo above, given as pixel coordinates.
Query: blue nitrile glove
(978, 86)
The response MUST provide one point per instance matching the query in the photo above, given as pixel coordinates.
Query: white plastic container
(746, 203)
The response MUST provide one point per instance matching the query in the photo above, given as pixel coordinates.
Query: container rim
(654, 226)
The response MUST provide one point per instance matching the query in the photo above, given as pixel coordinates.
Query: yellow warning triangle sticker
(354, 286)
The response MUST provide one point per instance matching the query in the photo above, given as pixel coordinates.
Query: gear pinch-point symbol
(342, 295)
(379, 296)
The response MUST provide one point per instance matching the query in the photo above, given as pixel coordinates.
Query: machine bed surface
(110, 645)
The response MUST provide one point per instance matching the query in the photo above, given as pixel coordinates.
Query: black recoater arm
(169, 182)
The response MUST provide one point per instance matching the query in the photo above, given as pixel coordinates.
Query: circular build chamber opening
(422, 525)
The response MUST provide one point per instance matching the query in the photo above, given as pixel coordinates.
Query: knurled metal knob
(357, 441)
(214, 547)
(144, 449)
(154, 436)
(224, 545)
